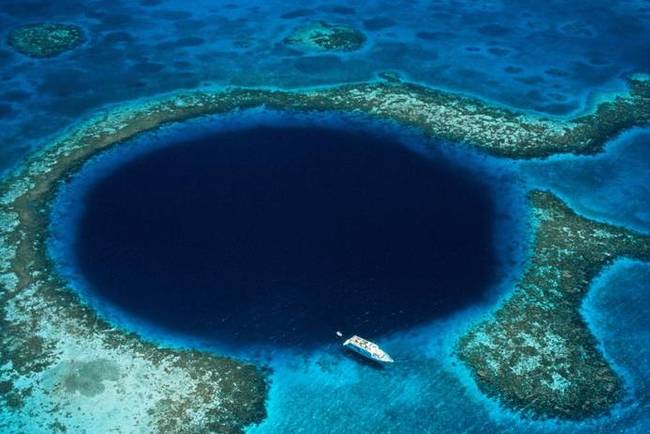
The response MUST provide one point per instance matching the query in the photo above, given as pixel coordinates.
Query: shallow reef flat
(498, 131)
(536, 353)
(65, 370)
(45, 39)
(322, 36)
(58, 358)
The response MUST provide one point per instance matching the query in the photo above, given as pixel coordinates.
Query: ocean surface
(551, 57)
(555, 58)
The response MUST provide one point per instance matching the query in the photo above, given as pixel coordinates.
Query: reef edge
(535, 353)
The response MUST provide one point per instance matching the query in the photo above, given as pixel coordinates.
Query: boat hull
(367, 349)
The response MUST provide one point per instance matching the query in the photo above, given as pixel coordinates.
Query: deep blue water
(286, 234)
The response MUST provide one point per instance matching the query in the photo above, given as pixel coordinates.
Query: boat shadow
(358, 358)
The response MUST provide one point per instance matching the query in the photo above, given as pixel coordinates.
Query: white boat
(367, 349)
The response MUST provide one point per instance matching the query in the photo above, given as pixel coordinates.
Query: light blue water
(613, 186)
(618, 311)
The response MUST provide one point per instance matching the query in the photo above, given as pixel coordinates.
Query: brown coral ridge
(447, 116)
(592, 131)
(496, 130)
(536, 352)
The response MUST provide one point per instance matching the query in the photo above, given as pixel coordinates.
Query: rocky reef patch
(536, 353)
(322, 36)
(52, 344)
(45, 39)
(65, 369)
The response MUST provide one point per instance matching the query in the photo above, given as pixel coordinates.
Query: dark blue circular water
(287, 234)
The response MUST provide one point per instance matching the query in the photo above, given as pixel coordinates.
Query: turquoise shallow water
(617, 310)
(551, 58)
(613, 186)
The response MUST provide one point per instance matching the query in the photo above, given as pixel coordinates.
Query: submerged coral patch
(45, 39)
(87, 378)
(322, 36)
(536, 353)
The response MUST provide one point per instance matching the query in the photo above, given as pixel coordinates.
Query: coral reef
(52, 345)
(45, 39)
(536, 353)
(498, 131)
(322, 36)
(59, 361)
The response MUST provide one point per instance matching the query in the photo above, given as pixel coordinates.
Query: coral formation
(322, 36)
(45, 39)
(536, 353)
